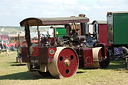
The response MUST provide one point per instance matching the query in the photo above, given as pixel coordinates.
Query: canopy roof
(119, 12)
(53, 21)
(99, 22)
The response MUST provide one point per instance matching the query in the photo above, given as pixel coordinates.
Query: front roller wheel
(65, 63)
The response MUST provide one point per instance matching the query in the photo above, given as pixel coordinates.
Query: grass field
(11, 73)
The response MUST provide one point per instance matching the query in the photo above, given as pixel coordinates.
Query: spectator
(7, 49)
(19, 55)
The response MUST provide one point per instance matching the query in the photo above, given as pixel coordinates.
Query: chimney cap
(82, 15)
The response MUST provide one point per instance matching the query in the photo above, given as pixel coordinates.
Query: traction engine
(61, 56)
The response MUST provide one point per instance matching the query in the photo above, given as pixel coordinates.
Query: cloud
(16, 10)
(112, 1)
(56, 1)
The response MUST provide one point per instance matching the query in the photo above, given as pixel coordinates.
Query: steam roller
(61, 55)
(61, 62)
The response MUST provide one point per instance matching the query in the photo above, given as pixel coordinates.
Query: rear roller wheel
(65, 63)
(127, 65)
(98, 62)
(38, 73)
(126, 62)
(105, 62)
(34, 73)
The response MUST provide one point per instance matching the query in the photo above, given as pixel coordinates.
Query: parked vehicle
(62, 55)
(113, 33)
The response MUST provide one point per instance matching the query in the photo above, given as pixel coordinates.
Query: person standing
(19, 55)
(7, 49)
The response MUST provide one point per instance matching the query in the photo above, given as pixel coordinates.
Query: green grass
(11, 73)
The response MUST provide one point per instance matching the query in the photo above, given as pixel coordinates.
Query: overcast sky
(13, 11)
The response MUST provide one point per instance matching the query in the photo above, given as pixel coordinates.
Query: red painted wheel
(65, 63)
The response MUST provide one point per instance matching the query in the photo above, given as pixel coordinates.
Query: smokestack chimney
(83, 27)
